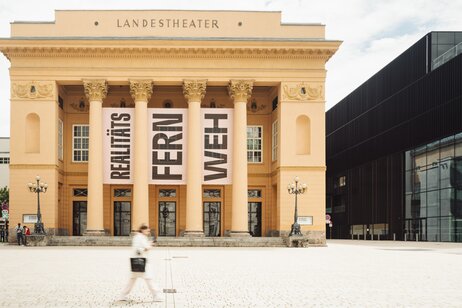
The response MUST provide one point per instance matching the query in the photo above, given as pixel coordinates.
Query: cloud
(373, 32)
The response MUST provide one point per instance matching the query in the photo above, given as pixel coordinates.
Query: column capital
(240, 90)
(194, 90)
(95, 89)
(141, 90)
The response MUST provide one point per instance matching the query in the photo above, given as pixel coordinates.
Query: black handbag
(138, 265)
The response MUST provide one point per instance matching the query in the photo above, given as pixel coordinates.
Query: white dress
(141, 245)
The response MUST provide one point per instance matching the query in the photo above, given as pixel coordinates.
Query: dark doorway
(79, 217)
(167, 218)
(255, 218)
(122, 218)
(212, 218)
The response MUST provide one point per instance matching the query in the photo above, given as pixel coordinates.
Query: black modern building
(394, 148)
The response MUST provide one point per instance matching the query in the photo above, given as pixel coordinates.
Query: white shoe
(123, 298)
(158, 299)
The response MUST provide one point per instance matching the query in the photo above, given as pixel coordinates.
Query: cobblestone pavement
(344, 274)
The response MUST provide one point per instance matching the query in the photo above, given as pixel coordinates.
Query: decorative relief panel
(302, 92)
(80, 106)
(32, 89)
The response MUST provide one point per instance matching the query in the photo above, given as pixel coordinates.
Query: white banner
(118, 145)
(217, 129)
(167, 145)
(167, 134)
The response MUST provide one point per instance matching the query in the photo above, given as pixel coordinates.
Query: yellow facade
(165, 50)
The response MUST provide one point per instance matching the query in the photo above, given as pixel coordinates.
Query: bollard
(417, 237)
(405, 237)
(372, 236)
(352, 236)
(378, 237)
(394, 236)
(358, 236)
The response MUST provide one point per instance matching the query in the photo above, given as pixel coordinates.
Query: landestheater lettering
(168, 23)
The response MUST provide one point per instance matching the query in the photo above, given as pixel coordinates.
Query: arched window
(303, 137)
(32, 133)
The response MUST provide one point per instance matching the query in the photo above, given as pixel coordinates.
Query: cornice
(321, 53)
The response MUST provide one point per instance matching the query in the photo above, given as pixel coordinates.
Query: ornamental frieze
(32, 89)
(302, 92)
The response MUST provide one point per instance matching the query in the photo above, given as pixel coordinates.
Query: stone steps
(166, 241)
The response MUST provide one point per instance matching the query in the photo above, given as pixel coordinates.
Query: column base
(95, 233)
(239, 234)
(194, 234)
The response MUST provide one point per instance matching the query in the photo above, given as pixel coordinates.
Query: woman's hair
(143, 227)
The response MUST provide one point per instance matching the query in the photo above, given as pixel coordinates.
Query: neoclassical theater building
(192, 121)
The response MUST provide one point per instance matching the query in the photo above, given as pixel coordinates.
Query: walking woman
(141, 246)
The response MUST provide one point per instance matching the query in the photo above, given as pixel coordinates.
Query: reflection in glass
(79, 217)
(254, 212)
(212, 193)
(254, 193)
(167, 193)
(122, 192)
(167, 218)
(212, 212)
(122, 218)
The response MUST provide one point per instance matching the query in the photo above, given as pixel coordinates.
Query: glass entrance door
(79, 217)
(167, 218)
(255, 218)
(212, 218)
(122, 218)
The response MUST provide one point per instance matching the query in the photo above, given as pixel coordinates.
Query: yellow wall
(289, 63)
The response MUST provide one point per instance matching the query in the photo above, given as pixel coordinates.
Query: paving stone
(344, 274)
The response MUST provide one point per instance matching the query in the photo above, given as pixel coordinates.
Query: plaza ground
(346, 273)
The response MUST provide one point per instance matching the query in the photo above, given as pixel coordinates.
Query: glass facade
(433, 191)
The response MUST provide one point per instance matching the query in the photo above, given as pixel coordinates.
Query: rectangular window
(60, 139)
(254, 193)
(167, 193)
(80, 134)
(212, 193)
(274, 141)
(4, 160)
(80, 192)
(122, 192)
(254, 144)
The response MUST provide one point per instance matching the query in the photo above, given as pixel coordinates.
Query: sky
(373, 32)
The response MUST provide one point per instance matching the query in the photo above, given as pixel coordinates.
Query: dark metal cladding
(404, 105)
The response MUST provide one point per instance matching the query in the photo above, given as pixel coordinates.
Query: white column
(141, 91)
(194, 91)
(240, 91)
(96, 91)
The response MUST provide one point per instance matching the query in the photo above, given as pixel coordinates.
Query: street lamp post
(296, 189)
(38, 188)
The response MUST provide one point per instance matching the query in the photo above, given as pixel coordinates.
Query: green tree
(4, 195)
